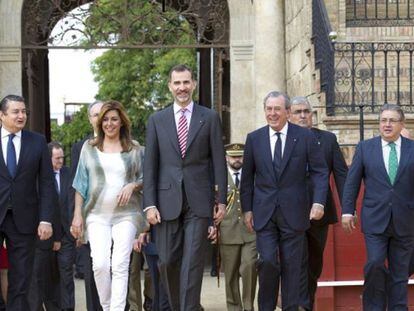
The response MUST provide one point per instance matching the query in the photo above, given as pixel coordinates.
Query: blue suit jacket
(32, 190)
(262, 191)
(381, 199)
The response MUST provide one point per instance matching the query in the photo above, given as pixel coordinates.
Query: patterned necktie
(392, 163)
(182, 132)
(277, 155)
(11, 156)
(236, 179)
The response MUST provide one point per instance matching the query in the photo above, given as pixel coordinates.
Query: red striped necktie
(182, 132)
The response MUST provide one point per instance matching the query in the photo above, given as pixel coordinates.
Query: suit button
(238, 209)
(239, 217)
(390, 204)
(238, 201)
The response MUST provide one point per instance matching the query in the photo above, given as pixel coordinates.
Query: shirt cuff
(347, 215)
(318, 205)
(149, 207)
(45, 223)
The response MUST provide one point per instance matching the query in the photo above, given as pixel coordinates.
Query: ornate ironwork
(369, 74)
(375, 13)
(324, 54)
(125, 23)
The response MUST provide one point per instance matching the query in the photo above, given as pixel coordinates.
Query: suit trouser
(134, 297)
(386, 286)
(280, 251)
(239, 260)
(20, 251)
(66, 259)
(312, 263)
(160, 298)
(181, 244)
(44, 286)
(112, 291)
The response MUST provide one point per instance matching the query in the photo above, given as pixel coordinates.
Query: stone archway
(209, 21)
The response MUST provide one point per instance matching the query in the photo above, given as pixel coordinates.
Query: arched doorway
(209, 26)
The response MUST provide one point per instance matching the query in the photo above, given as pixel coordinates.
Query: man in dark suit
(84, 252)
(184, 160)
(316, 235)
(26, 203)
(274, 198)
(386, 164)
(66, 253)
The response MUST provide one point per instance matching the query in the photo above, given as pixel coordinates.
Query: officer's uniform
(237, 246)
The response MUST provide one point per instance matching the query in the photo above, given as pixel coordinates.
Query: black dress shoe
(201, 308)
(213, 273)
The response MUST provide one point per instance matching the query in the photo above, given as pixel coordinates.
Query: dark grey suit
(183, 191)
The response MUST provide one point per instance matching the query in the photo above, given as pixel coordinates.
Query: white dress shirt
(273, 138)
(177, 113)
(232, 171)
(57, 178)
(17, 141)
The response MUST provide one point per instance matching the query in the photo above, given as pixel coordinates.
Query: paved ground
(212, 298)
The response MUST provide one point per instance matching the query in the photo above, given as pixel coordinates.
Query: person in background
(316, 235)
(237, 244)
(83, 254)
(4, 266)
(27, 197)
(66, 252)
(108, 210)
(386, 165)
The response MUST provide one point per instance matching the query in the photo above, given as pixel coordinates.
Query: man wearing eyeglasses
(386, 164)
(316, 235)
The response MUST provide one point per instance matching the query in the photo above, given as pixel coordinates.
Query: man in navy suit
(386, 164)
(274, 198)
(316, 235)
(26, 196)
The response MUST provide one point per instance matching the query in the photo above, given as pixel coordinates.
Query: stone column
(242, 86)
(10, 52)
(269, 52)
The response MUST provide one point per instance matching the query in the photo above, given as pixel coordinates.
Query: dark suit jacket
(381, 199)
(31, 190)
(165, 171)
(262, 191)
(337, 166)
(66, 212)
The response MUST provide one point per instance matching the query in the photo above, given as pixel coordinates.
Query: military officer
(237, 245)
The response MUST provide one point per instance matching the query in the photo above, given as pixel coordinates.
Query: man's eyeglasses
(300, 111)
(390, 121)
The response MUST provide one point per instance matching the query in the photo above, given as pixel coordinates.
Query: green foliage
(136, 77)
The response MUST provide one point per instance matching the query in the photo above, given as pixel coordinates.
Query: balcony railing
(371, 13)
(368, 75)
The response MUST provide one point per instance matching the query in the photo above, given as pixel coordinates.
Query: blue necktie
(11, 156)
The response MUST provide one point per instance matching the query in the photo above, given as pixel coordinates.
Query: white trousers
(112, 293)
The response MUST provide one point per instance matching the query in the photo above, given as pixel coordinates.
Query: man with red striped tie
(184, 160)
